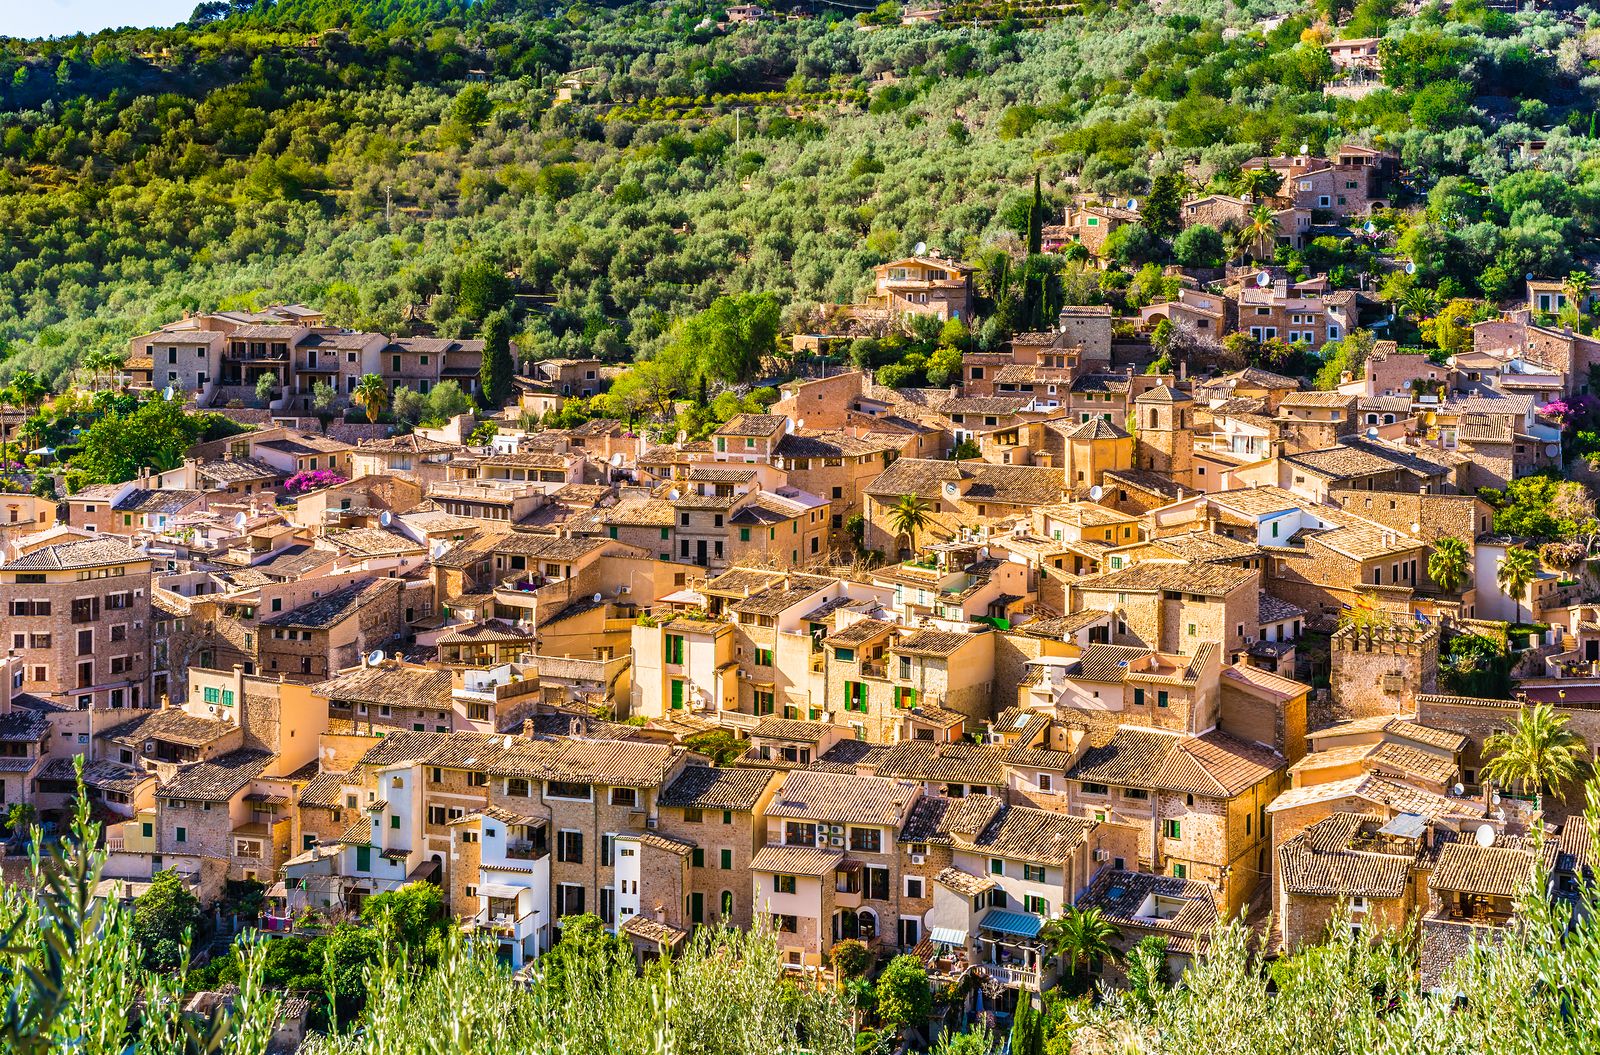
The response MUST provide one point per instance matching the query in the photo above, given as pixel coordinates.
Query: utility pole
(736, 110)
(388, 203)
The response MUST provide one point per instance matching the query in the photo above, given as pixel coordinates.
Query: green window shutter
(394, 821)
(697, 857)
(183, 835)
(663, 533)
(612, 531)
(1161, 698)
(744, 534)
(147, 829)
(727, 860)
(1138, 697)
(363, 859)
(677, 694)
(727, 816)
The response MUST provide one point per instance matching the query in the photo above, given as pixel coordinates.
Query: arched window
(1152, 419)
(727, 903)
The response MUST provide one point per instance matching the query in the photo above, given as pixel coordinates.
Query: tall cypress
(1036, 219)
(495, 373)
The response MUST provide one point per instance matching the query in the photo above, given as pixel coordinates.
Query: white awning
(505, 890)
(948, 935)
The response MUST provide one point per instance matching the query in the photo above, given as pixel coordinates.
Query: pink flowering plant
(311, 480)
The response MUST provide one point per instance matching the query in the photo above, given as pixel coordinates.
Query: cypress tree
(1036, 219)
(494, 375)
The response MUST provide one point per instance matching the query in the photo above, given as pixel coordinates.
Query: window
(1172, 829)
(692, 814)
(181, 834)
(1033, 873)
(569, 847)
(1138, 697)
(855, 696)
(914, 886)
(1090, 788)
(1038, 905)
(436, 815)
(799, 833)
(560, 789)
(1046, 782)
(782, 884)
(997, 867)
(628, 797)
(725, 860)
(1180, 871)
(763, 657)
(675, 648)
(866, 840)
(697, 857)
(1161, 698)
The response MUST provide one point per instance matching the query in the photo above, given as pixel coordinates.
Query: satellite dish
(240, 520)
(1552, 450)
(597, 598)
(617, 459)
(166, 393)
(438, 549)
(1411, 267)
(951, 491)
(1371, 227)
(375, 657)
(1133, 204)
(1457, 789)
(385, 518)
(1305, 149)
(1485, 835)
(920, 249)
(1096, 493)
(506, 743)
(1496, 799)
(1372, 432)
(1263, 279)
(1529, 276)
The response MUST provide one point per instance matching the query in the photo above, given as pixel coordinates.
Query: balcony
(875, 668)
(525, 850)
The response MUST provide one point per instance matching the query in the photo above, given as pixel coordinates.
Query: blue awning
(948, 935)
(1018, 924)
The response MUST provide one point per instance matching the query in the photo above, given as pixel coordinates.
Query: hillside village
(1094, 627)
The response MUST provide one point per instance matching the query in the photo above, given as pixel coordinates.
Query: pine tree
(494, 375)
(704, 392)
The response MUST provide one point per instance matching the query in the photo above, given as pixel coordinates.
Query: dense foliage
(406, 164)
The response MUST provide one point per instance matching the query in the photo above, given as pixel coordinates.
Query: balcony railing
(874, 668)
(525, 850)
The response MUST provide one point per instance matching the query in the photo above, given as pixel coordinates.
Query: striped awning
(948, 935)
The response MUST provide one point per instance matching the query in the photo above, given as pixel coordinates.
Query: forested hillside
(363, 156)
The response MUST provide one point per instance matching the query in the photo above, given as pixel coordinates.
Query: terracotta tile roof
(839, 798)
(1385, 791)
(1211, 580)
(333, 608)
(1265, 681)
(1020, 485)
(1120, 894)
(1409, 762)
(150, 500)
(66, 556)
(405, 685)
(324, 791)
(371, 542)
(1215, 765)
(796, 860)
(217, 780)
(964, 883)
(1030, 834)
(646, 929)
(1501, 871)
(101, 773)
(170, 723)
(713, 788)
(25, 727)
(771, 728)
(1270, 609)
(957, 763)
(931, 642)
(936, 819)
(756, 425)
(1426, 734)
(1310, 870)
(859, 632)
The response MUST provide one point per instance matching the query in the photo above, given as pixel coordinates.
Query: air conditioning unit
(138, 624)
(650, 823)
(834, 829)
(918, 859)
(836, 841)
(1102, 855)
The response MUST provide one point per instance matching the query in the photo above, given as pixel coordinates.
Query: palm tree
(1450, 565)
(1538, 753)
(95, 363)
(1257, 184)
(371, 395)
(28, 388)
(1517, 572)
(1575, 287)
(909, 515)
(1079, 938)
(1420, 301)
(1260, 231)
